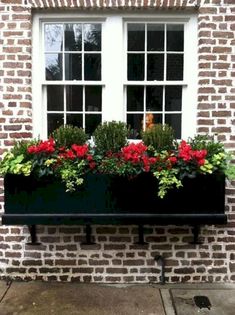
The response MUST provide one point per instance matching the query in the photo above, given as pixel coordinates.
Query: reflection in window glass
(74, 98)
(174, 69)
(152, 119)
(73, 66)
(92, 67)
(135, 122)
(136, 37)
(54, 121)
(55, 97)
(173, 98)
(155, 37)
(92, 121)
(135, 71)
(174, 120)
(154, 98)
(92, 37)
(74, 119)
(54, 67)
(175, 37)
(93, 98)
(73, 37)
(135, 98)
(53, 34)
(155, 68)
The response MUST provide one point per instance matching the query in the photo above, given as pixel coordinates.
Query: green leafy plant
(67, 135)
(112, 154)
(110, 137)
(160, 137)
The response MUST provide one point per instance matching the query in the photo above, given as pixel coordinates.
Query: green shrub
(67, 135)
(160, 137)
(110, 137)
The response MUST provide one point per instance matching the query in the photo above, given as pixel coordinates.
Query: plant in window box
(151, 179)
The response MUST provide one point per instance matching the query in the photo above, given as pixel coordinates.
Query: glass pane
(92, 121)
(93, 98)
(135, 70)
(55, 97)
(175, 37)
(152, 119)
(73, 37)
(135, 122)
(173, 98)
(73, 66)
(92, 69)
(135, 98)
(174, 67)
(136, 37)
(154, 98)
(74, 98)
(155, 37)
(53, 37)
(155, 67)
(54, 121)
(174, 120)
(74, 119)
(54, 67)
(92, 37)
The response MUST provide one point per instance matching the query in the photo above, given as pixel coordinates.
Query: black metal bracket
(141, 235)
(33, 235)
(196, 231)
(161, 261)
(88, 236)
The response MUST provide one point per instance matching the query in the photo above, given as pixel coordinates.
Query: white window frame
(114, 64)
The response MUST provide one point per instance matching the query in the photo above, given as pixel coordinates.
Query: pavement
(46, 298)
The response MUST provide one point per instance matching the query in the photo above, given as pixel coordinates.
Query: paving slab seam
(8, 285)
(173, 301)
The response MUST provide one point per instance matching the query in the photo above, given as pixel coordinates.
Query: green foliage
(110, 137)
(15, 164)
(206, 142)
(160, 137)
(167, 179)
(67, 135)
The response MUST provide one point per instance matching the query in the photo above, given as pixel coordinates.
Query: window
(140, 69)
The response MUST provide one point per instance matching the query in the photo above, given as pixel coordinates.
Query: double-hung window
(136, 68)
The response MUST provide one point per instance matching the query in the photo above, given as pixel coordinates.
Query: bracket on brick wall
(141, 235)
(33, 235)
(196, 231)
(88, 236)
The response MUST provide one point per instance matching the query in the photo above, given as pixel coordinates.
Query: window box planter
(105, 199)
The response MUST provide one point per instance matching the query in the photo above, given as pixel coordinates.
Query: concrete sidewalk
(45, 298)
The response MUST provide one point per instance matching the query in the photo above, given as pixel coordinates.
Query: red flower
(47, 146)
(80, 150)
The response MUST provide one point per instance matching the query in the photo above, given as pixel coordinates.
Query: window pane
(135, 70)
(136, 37)
(92, 68)
(53, 37)
(92, 121)
(74, 99)
(152, 119)
(92, 37)
(53, 69)
(135, 121)
(173, 98)
(135, 98)
(154, 98)
(174, 67)
(73, 66)
(174, 120)
(155, 37)
(74, 119)
(55, 97)
(93, 98)
(175, 37)
(73, 37)
(155, 67)
(54, 121)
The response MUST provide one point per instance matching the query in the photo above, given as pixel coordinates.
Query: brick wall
(115, 257)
